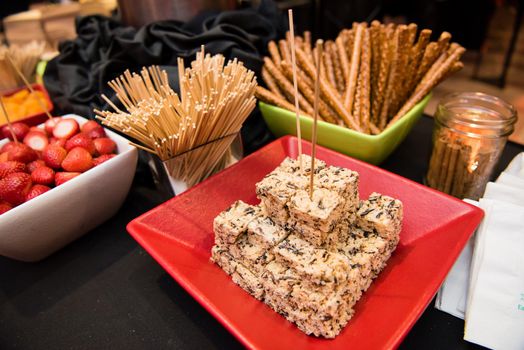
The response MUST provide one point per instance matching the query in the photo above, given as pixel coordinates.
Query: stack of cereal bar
(308, 258)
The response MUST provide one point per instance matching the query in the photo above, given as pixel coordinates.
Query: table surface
(105, 291)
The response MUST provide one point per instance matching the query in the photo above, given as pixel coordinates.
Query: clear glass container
(471, 130)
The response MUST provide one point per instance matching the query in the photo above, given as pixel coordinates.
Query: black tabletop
(105, 291)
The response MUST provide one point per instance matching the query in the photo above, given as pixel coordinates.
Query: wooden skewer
(42, 105)
(295, 86)
(318, 45)
(9, 125)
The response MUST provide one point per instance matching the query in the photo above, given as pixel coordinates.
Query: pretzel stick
(328, 63)
(382, 80)
(343, 58)
(272, 99)
(400, 68)
(417, 52)
(339, 75)
(328, 93)
(427, 84)
(286, 86)
(284, 50)
(430, 55)
(353, 71)
(270, 82)
(364, 79)
(374, 32)
(307, 42)
(273, 51)
(393, 45)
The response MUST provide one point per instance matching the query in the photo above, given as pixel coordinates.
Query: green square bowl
(370, 148)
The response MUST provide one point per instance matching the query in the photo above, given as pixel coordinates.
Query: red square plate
(179, 235)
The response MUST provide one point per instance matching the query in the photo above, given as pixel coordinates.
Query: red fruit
(90, 125)
(5, 207)
(81, 140)
(10, 167)
(50, 124)
(43, 176)
(35, 191)
(35, 164)
(38, 129)
(104, 145)
(65, 129)
(59, 142)
(53, 156)
(103, 158)
(3, 157)
(37, 140)
(62, 177)
(19, 129)
(97, 133)
(14, 188)
(78, 160)
(22, 153)
(7, 146)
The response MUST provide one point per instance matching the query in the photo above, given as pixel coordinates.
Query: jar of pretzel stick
(470, 132)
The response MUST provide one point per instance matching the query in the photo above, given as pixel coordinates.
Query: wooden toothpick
(9, 125)
(319, 46)
(295, 86)
(38, 100)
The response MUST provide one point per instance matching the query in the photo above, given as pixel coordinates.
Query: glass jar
(471, 129)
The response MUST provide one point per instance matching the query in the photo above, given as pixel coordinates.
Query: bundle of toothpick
(191, 132)
(25, 58)
(371, 75)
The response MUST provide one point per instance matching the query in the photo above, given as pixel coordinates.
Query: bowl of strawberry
(58, 181)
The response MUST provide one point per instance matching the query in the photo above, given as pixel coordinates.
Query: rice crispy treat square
(232, 222)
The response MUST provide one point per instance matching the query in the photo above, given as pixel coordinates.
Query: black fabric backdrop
(105, 48)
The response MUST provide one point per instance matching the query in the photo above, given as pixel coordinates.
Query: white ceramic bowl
(38, 228)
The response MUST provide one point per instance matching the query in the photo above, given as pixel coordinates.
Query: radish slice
(65, 129)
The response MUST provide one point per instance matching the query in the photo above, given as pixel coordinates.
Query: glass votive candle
(470, 133)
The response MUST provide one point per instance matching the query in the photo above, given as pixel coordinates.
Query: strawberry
(35, 164)
(62, 177)
(35, 191)
(37, 129)
(90, 125)
(3, 157)
(43, 176)
(14, 188)
(7, 146)
(104, 145)
(59, 142)
(19, 129)
(97, 133)
(50, 124)
(22, 153)
(53, 156)
(103, 158)
(37, 140)
(5, 207)
(10, 167)
(81, 140)
(65, 129)
(77, 160)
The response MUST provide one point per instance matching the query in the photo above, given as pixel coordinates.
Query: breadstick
(417, 52)
(353, 71)
(284, 50)
(430, 55)
(273, 51)
(286, 86)
(328, 93)
(270, 98)
(374, 32)
(307, 42)
(392, 52)
(400, 70)
(270, 82)
(426, 85)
